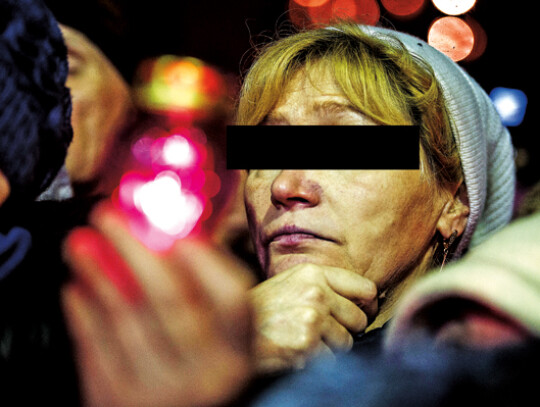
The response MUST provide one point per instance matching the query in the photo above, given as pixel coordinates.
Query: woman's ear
(5, 188)
(455, 213)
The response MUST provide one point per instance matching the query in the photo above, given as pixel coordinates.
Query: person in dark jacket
(35, 132)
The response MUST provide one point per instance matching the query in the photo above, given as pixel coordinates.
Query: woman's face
(101, 105)
(376, 223)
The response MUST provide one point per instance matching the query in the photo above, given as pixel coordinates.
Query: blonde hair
(380, 78)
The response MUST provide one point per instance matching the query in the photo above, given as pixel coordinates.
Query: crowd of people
(372, 287)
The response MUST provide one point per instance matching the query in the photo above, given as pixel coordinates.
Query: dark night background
(221, 33)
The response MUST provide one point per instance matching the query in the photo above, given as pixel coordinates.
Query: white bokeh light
(454, 7)
(167, 206)
(178, 152)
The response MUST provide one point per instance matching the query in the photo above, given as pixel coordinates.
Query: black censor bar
(323, 147)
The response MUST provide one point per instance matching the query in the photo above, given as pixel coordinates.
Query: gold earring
(446, 246)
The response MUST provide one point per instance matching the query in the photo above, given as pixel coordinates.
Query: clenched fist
(306, 310)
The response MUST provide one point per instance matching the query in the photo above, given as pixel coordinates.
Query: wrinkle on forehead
(314, 97)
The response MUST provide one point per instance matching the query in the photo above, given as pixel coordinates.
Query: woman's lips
(288, 246)
(292, 239)
(293, 235)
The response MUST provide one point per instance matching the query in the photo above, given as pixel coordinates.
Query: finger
(118, 345)
(347, 313)
(112, 291)
(351, 285)
(348, 290)
(218, 272)
(95, 262)
(321, 351)
(162, 287)
(93, 349)
(104, 370)
(371, 308)
(121, 326)
(324, 351)
(225, 286)
(336, 336)
(177, 308)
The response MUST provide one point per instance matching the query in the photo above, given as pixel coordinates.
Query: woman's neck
(390, 297)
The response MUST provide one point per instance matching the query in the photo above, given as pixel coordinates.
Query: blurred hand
(307, 310)
(152, 329)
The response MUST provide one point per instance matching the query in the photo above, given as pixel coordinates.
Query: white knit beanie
(485, 148)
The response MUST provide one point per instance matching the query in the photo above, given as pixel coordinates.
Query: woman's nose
(295, 188)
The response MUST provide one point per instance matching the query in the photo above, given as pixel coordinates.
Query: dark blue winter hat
(35, 104)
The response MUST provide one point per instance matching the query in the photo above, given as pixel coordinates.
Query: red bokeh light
(403, 8)
(360, 11)
(480, 39)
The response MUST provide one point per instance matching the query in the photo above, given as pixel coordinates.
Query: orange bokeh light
(310, 3)
(452, 36)
(181, 73)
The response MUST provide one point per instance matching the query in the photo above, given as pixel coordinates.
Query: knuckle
(314, 294)
(308, 334)
(311, 317)
(306, 341)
